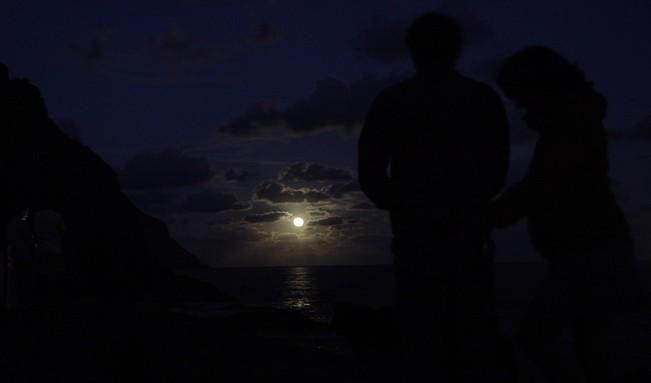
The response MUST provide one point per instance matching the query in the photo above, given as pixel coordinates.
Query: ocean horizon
(316, 290)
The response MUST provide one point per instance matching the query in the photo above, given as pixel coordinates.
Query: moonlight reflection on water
(299, 289)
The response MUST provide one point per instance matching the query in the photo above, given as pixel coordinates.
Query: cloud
(276, 192)
(236, 174)
(339, 190)
(285, 237)
(212, 201)
(174, 48)
(94, 52)
(258, 119)
(308, 171)
(169, 168)
(333, 106)
(330, 221)
(170, 56)
(271, 216)
(265, 34)
(156, 201)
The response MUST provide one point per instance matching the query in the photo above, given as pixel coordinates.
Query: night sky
(228, 118)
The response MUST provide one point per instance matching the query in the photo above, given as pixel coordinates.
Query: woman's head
(537, 75)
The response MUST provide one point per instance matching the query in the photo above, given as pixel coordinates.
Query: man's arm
(374, 155)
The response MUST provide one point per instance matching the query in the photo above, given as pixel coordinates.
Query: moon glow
(298, 222)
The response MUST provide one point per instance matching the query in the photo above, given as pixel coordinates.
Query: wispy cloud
(170, 56)
(334, 105)
(93, 53)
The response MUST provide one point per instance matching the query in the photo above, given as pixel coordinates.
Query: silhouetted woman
(573, 217)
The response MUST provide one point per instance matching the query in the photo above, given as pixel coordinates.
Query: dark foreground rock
(230, 342)
(109, 344)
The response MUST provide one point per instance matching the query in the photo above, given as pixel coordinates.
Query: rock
(111, 250)
(167, 252)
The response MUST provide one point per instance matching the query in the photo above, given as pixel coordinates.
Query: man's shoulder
(415, 85)
(457, 87)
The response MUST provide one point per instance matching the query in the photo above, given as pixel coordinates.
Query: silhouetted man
(434, 152)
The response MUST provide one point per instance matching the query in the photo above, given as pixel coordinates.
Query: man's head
(434, 41)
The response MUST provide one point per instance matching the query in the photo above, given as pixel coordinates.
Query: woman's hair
(538, 71)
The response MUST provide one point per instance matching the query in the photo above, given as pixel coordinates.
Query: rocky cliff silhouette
(109, 248)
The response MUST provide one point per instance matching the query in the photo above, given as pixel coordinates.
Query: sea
(311, 290)
(315, 291)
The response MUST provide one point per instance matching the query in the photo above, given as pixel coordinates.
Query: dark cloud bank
(334, 105)
(330, 221)
(271, 216)
(236, 174)
(308, 171)
(276, 192)
(169, 168)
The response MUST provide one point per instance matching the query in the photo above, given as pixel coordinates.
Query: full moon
(298, 222)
